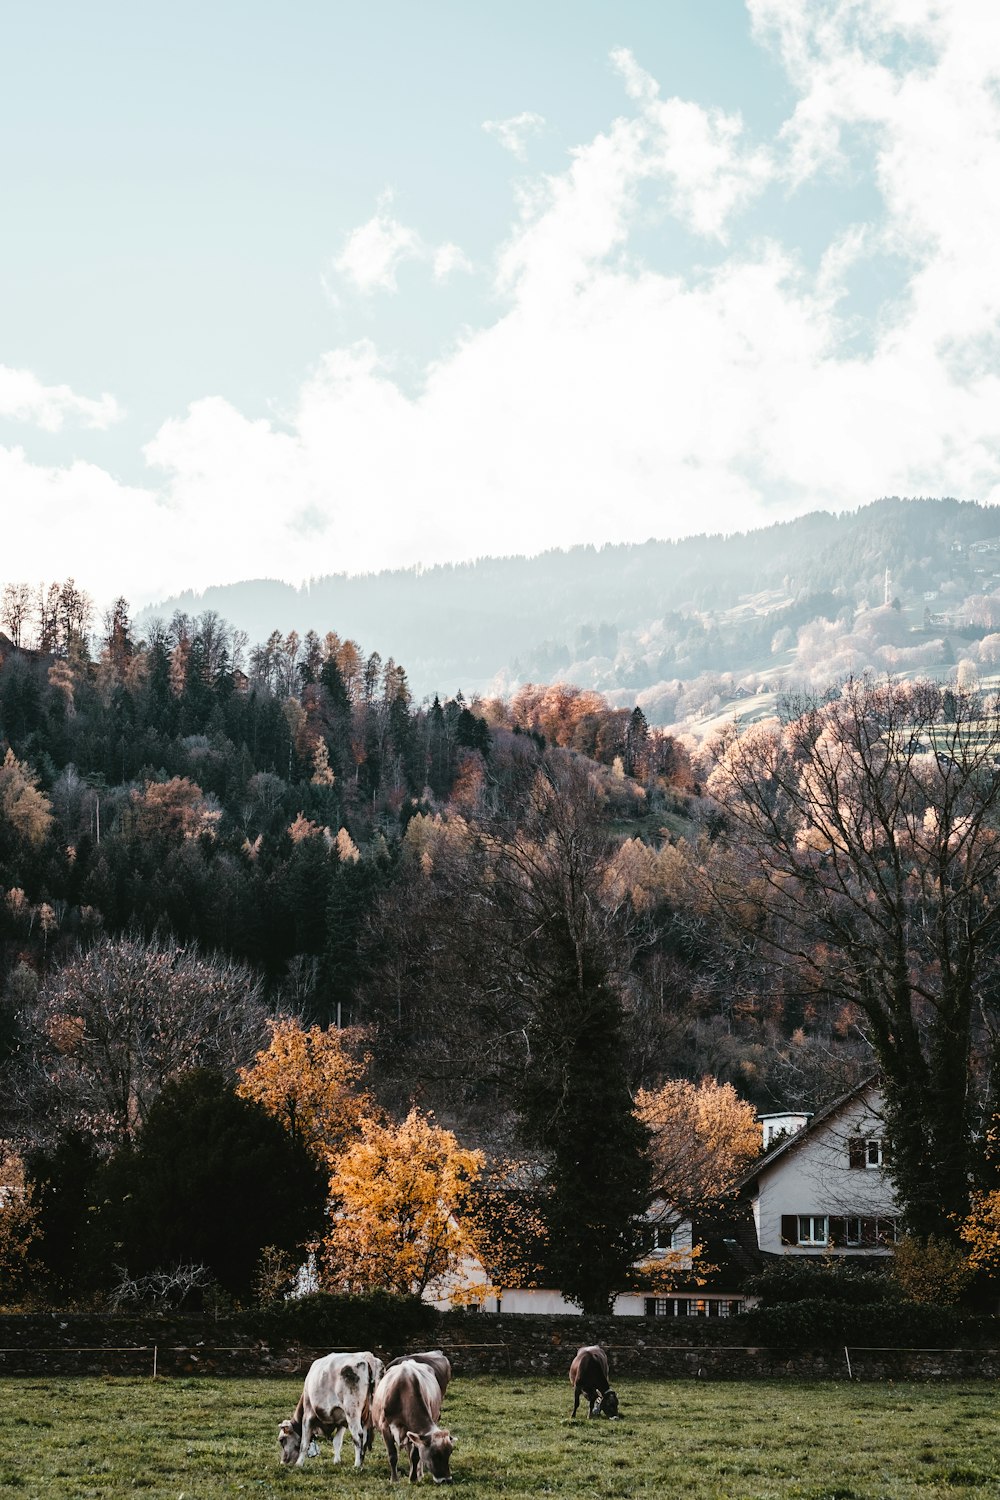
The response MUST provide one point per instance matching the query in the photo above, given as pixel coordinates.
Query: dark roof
(792, 1142)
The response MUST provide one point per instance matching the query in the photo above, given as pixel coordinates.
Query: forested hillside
(258, 898)
(684, 624)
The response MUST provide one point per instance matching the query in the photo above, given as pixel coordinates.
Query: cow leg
(595, 1404)
(338, 1440)
(414, 1463)
(358, 1434)
(576, 1398)
(391, 1452)
(305, 1440)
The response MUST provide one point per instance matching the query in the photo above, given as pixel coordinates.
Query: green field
(199, 1439)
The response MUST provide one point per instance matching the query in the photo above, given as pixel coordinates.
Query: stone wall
(638, 1348)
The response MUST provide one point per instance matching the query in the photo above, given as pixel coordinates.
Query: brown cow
(405, 1408)
(588, 1375)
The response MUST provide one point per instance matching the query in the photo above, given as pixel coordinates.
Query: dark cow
(405, 1409)
(336, 1398)
(588, 1375)
(438, 1361)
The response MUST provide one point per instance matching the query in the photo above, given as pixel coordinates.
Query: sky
(301, 288)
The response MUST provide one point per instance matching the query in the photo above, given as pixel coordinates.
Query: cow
(405, 1408)
(588, 1375)
(336, 1398)
(436, 1359)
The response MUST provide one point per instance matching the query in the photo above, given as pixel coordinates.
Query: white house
(823, 1186)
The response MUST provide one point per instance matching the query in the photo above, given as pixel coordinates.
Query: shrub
(376, 1320)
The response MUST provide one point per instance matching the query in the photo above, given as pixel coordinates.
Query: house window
(868, 1154)
(814, 1229)
(662, 1238)
(852, 1232)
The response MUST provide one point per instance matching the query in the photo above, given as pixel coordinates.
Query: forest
(267, 921)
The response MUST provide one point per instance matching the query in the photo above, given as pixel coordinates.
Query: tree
(701, 1137)
(519, 967)
(25, 812)
(399, 1194)
(18, 1228)
(120, 1019)
(308, 1080)
(980, 1231)
(210, 1180)
(865, 856)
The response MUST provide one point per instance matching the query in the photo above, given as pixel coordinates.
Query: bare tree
(114, 1023)
(866, 857)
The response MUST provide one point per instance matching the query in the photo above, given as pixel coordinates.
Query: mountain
(897, 585)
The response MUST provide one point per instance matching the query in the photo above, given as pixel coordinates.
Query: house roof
(816, 1125)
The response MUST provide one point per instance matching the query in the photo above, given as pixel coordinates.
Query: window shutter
(856, 1152)
(886, 1151)
(789, 1229)
(838, 1233)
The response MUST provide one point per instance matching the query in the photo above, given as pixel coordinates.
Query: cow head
(434, 1450)
(290, 1438)
(607, 1405)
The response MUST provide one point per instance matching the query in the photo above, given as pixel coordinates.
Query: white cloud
(515, 132)
(374, 251)
(23, 398)
(609, 400)
(448, 259)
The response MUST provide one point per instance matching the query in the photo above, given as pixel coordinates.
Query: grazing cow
(588, 1375)
(405, 1408)
(336, 1398)
(438, 1361)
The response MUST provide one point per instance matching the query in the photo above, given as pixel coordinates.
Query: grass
(93, 1439)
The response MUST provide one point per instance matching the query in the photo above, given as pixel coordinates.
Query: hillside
(800, 601)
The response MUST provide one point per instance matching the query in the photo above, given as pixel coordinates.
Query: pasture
(200, 1439)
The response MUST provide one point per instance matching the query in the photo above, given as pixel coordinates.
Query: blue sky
(289, 289)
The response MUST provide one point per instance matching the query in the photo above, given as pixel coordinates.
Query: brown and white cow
(405, 1408)
(336, 1398)
(588, 1375)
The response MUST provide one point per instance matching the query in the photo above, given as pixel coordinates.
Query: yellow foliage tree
(981, 1232)
(399, 1195)
(931, 1270)
(22, 806)
(18, 1228)
(308, 1080)
(702, 1136)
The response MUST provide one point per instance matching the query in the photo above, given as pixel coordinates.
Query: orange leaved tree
(308, 1080)
(398, 1197)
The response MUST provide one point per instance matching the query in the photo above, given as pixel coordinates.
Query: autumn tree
(309, 1081)
(701, 1136)
(18, 1227)
(25, 811)
(864, 854)
(399, 1195)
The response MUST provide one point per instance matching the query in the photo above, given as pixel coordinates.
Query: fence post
(154, 1361)
(850, 1372)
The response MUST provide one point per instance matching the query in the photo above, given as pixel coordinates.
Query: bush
(326, 1319)
(839, 1281)
(810, 1323)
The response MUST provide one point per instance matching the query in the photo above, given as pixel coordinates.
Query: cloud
(515, 132)
(23, 398)
(374, 251)
(608, 397)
